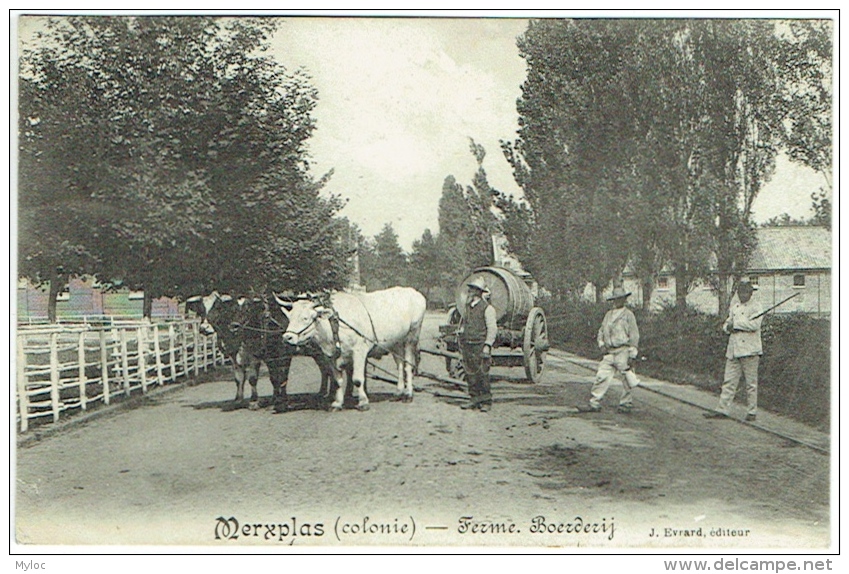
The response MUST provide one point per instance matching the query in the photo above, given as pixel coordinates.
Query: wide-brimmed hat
(618, 293)
(479, 283)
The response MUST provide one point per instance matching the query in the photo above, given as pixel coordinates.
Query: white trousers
(734, 368)
(610, 365)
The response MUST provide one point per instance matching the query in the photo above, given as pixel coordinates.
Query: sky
(400, 98)
(398, 101)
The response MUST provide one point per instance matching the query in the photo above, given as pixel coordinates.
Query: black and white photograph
(485, 281)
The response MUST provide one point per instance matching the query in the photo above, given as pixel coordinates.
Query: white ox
(380, 322)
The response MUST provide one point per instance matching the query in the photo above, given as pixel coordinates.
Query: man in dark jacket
(477, 335)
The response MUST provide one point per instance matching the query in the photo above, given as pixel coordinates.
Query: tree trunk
(599, 293)
(147, 304)
(724, 296)
(682, 286)
(57, 283)
(648, 287)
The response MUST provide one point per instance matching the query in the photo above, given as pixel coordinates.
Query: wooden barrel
(510, 296)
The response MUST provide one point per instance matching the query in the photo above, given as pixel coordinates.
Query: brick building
(787, 260)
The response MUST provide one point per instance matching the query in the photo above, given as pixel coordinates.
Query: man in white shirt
(618, 338)
(742, 355)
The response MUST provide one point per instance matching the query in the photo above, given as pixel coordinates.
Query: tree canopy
(645, 142)
(170, 153)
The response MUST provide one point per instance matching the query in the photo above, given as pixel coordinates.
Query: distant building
(792, 260)
(787, 260)
(83, 298)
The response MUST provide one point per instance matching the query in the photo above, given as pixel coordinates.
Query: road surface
(185, 468)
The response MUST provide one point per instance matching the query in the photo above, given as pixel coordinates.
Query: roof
(792, 248)
(785, 248)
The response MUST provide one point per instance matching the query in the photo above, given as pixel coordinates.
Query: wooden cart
(522, 338)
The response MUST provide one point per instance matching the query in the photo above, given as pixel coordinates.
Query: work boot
(471, 404)
(587, 409)
(485, 408)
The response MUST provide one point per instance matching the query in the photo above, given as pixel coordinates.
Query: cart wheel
(535, 345)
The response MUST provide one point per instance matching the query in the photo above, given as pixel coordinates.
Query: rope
(379, 368)
(260, 330)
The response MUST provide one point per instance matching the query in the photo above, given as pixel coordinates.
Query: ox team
(341, 331)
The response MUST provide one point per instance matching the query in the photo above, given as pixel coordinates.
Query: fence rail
(71, 367)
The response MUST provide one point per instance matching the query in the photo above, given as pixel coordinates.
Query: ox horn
(285, 306)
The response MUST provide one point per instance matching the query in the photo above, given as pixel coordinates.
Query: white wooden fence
(65, 368)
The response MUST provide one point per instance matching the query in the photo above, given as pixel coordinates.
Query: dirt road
(183, 468)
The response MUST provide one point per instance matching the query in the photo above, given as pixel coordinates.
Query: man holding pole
(743, 353)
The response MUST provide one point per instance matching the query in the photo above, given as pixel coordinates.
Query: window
(663, 283)
(753, 279)
(64, 294)
(136, 295)
(798, 280)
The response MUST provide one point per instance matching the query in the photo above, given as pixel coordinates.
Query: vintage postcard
(523, 282)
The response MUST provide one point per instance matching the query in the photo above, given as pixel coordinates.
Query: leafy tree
(390, 267)
(807, 92)
(784, 220)
(181, 147)
(822, 209)
(575, 147)
(667, 129)
(467, 218)
(427, 267)
(821, 217)
(480, 198)
(457, 231)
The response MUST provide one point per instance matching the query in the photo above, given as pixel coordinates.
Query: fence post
(82, 373)
(54, 375)
(23, 397)
(172, 353)
(125, 362)
(104, 367)
(142, 361)
(205, 353)
(196, 346)
(157, 349)
(183, 350)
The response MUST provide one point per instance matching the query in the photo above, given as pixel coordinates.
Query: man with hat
(618, 339)
(742, 354)
(477, 335)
